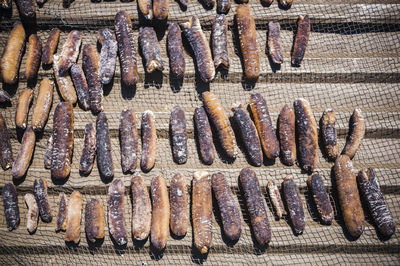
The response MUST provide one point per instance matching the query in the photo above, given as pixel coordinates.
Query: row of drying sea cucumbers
(99, 68)
(259, 137)
(156, 215)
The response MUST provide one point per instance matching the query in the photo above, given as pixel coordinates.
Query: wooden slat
(364, 157)
(326, 53)
(82, 13)
(137, 258)
(381, 117)
(332, 236)
(81, 118)
(92, 185)
(336, 45)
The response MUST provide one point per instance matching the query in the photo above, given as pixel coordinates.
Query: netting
(352, 60)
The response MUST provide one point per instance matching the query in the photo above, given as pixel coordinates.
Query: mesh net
(352, 60)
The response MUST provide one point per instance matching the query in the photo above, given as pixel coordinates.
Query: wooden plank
(388, 177)
(379, 103)
(320, 44)
(320, 62)
(374, 123)
(44, 241)
(137, 258)
(82, 13)
(363, 158)
(326, 53)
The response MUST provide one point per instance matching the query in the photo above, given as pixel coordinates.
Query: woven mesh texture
(352, 61)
